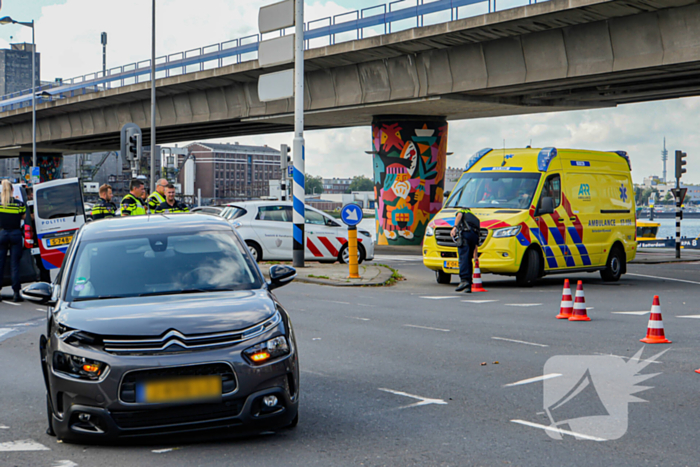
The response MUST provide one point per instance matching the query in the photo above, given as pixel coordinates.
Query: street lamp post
(153, 98)
(8, 20)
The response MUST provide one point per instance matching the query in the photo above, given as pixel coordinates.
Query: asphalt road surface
(395, 376)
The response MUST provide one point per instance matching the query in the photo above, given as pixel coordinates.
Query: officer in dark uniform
(466, 235)
(132, 205)
(11, 214)
(171, 205)
(104, 207)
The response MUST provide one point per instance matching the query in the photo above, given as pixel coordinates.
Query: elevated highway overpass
(550, 56)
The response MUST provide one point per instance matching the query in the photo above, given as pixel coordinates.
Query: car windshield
(160, 264)
(494, 190)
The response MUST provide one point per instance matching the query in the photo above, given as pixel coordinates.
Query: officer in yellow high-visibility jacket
(104, 207)
(157, 198)
(171, 205)
(131, 204)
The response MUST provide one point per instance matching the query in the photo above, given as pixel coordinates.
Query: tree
(668, 197)
(313, 185)
(361, 183)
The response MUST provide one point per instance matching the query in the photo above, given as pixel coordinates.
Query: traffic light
(680, 162)
(133, 145)
(285, 159)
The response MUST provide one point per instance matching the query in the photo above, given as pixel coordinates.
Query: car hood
(153, 316)
(489, 218)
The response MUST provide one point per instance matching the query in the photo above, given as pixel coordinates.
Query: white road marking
(536, 379)
(4, 427)
(65, 463)
(689, 316)
(333, 301)
(355, 317)
(11, 303)
(518, 342)
(421, 400)
(663, 278)
(558, 430)
(638, 313)
(22, 445)
(4, 331)
(439, 298)
(40, 309)
(316, 339)
(523, 304)
(368, 306)
(479, 301)
(161, 451)
(426, 327)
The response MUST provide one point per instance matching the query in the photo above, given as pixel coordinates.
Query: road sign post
(679, 194)
(351, 215)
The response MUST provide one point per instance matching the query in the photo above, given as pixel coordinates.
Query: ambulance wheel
(255, 250)
(529, 269)
(442, 277)
(613, 268)
(344, 254)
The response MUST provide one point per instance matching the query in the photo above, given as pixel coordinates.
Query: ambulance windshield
(495, 190)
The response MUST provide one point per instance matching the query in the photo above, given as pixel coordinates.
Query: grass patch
(395, 275)
(318, 277)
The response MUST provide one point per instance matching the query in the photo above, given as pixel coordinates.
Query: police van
(542, 211)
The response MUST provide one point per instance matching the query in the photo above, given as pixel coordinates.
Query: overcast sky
(68, 38)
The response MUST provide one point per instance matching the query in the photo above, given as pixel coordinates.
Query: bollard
(352, 253)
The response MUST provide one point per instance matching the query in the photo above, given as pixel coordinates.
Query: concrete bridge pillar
(409, 175)
(50, 166)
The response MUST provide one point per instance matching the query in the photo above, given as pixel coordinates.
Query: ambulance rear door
(58, 213)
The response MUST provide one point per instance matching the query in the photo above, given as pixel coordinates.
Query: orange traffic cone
(477, 285)
(567, 303)
(655, 329)
(579, 312)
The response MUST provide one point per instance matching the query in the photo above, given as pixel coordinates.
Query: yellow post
(352, 251)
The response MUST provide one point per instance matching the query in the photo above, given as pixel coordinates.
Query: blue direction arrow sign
(351, 214)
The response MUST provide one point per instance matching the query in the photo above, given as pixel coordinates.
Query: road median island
(336, 274)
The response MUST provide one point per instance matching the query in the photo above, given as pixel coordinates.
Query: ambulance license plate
(60, 241)
(179, 389)
(451, 265)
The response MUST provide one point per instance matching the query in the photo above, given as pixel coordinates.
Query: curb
(384, 271)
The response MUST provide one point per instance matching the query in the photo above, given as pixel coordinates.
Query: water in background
(689, 228)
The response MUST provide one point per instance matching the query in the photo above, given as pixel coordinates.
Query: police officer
(157, 197)
(171, 205)
(132, 205)
(466, 235)
(104, 207)
(12, 212)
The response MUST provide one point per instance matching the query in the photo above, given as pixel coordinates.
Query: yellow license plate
(60, 241)
(180, 389)
(451, 265)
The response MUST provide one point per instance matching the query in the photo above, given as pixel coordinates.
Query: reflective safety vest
(11, 214)
(132, 206)
(103, 209)
(155, 199)
(177, 208)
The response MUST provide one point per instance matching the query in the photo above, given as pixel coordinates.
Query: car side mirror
(546, 206)
(39, 292)
(281, 275)
(446, 194)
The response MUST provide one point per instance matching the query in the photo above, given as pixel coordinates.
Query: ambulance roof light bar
(545, 157)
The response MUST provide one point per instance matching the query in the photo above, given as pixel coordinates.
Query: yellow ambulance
(542, 211)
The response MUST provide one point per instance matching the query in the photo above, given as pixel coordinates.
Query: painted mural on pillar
(50, 167)
(409, 177)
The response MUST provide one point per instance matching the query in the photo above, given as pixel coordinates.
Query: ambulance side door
(588, 234)
(551, 227)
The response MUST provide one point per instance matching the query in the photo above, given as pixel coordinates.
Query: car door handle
(572, 218)
(560, 220)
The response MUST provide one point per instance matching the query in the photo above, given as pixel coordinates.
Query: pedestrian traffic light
(680, 162)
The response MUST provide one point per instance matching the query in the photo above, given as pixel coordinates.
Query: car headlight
(429, 231)
(78, 367)
(506, 232)
(268, 350)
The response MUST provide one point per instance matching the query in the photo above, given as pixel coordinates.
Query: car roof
(118, 227)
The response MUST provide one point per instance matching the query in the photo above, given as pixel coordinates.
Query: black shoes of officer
(17, 298)
(462, 286)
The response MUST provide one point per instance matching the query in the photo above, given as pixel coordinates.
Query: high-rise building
(16, 68)
(234, 171)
